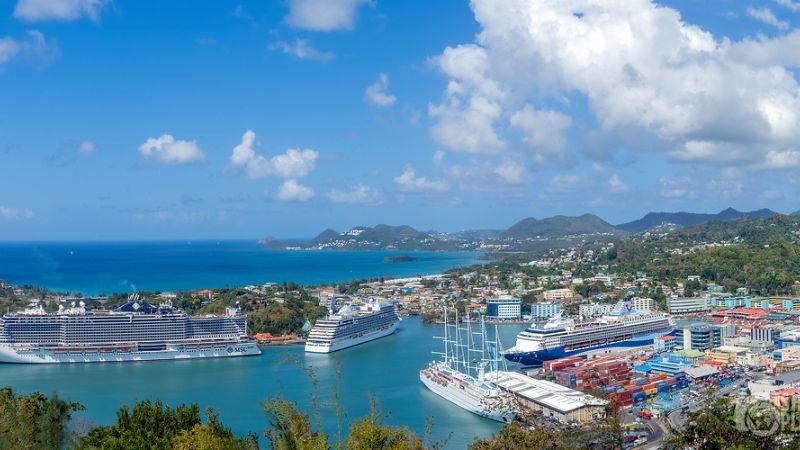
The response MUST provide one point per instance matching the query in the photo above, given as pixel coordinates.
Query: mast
(499, 349)
(445, 333)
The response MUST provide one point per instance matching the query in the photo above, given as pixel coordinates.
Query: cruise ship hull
(536, 358)
(452, 392)
(10, 354)
(342, 343)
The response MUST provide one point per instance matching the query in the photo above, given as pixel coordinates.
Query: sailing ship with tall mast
(461, 375)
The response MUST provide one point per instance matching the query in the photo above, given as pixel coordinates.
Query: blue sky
(145, 120)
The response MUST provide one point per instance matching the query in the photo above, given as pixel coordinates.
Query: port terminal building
(550, 399)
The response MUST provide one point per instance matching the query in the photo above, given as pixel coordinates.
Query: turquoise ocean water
(95, 267)
(386, 369)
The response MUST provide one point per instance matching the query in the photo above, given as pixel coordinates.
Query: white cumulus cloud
(302, 49)
(294, 163)
(291, 191)
(765, 15)
(64, 10)
(793, 5)
(167, 150)
(544, 134)
(324, 15)
(33, 45)
(641, 69)
(377, 94)
(471, 105)
(616, 184)
(360, 194)
(408, 181)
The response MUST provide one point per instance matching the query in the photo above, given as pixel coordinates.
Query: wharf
(279, 343)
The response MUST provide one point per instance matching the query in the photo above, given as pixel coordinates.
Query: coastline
(91, 268)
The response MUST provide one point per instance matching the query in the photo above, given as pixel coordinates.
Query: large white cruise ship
(352, 325)
(135, 331)
(624, 327)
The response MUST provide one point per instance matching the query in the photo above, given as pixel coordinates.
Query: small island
(400, 258)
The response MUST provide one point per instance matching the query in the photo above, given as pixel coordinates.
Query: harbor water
(386, 369)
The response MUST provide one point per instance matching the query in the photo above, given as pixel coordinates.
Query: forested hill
(559, 226)
(760, 254)
(656, 220)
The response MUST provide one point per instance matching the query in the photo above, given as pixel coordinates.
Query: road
(676, 419)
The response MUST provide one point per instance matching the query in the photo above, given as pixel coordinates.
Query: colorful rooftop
(743, 313)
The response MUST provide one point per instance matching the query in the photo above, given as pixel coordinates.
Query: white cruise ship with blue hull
(558, 338)
(352, 325)
(135, 331)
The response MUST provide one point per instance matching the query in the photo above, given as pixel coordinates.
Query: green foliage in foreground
(32, 422)
(153, 425)
(36, 422)
(714, 428)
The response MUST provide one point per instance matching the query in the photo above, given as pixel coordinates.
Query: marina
(387, 368)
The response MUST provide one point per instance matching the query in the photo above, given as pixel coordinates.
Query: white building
(644, 304)
(545, 310)
(504, 308)
(557, 295)
(763, 334)
(683, 305)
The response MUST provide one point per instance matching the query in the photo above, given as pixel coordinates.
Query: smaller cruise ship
(352, 325)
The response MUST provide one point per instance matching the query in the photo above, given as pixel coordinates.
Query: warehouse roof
(545, 393)
(701, 372)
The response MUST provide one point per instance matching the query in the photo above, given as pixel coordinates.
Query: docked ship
(135, 331)
(462, 376)
(559, 337)
(352, 325)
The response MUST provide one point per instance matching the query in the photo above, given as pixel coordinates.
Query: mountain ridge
(525, 234)
(685, 219)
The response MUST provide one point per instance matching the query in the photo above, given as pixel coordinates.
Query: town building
(644, 304)
(668, 364)
(545, 310)
(684, 305)
(504, 308)
(664, 343)
(559, 295)
(726, 355)
(702, 337)
(766, 334)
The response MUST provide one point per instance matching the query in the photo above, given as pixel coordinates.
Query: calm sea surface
(95, 267)
(386, 369)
